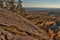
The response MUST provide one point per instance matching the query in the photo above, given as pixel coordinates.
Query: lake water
(34, 9)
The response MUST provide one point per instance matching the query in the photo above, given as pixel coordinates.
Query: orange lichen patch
(40, 24)
(59, 34)
(49, 22)
(58, 18)
(59, 28)
(51, 33)
(34, 22)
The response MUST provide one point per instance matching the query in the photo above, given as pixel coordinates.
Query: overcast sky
(41, 3)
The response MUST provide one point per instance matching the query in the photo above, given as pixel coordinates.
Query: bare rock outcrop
(15, 27)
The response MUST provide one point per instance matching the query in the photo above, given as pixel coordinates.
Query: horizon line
(41, 7)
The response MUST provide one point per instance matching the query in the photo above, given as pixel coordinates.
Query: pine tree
(7, 4)
(10, 5)
(1, 3)
(19, 6)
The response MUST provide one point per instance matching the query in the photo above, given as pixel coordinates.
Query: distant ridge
(37, 9)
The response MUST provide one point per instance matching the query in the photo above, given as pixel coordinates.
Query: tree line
(11, 5)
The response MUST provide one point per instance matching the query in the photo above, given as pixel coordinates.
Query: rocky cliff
(15, 27)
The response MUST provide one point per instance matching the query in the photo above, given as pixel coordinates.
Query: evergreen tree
(19, 6)
(1, 3)
(10, 5)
